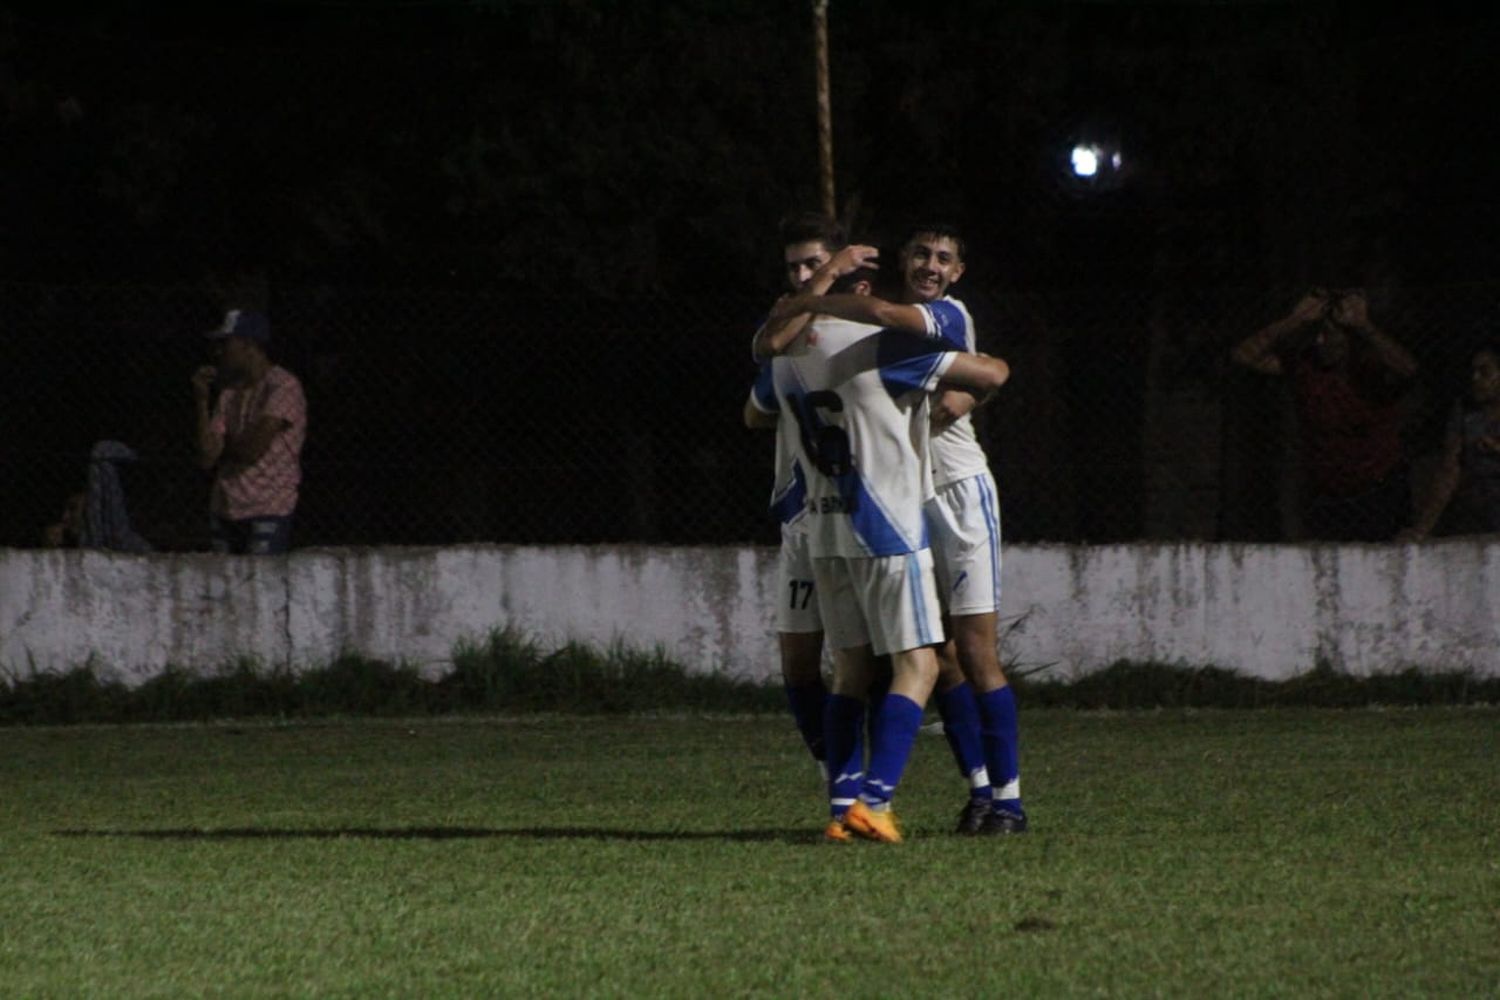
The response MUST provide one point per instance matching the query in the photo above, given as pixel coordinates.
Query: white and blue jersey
(956, 453)
(858, 396)
(789, 488)
(964, 513)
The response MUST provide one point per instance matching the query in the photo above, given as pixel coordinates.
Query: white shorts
(964, 522)
(889, 602)
(796, 600)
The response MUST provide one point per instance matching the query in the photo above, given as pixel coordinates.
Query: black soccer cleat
(998, 822)
(971, 820)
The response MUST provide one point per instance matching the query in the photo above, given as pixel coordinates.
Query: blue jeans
(253, 536)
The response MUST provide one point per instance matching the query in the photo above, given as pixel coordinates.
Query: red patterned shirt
(267, 488)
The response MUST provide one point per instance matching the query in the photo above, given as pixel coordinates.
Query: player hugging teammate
(891, 524)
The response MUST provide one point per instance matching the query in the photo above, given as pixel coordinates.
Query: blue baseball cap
(243, 323)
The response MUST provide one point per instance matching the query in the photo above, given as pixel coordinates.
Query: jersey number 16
(826, 444)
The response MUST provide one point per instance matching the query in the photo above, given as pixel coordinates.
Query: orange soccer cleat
(872, 825)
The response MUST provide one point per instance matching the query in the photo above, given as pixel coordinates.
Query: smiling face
(929, 265)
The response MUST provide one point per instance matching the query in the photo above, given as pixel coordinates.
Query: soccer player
(858, 395)
(964, 513)
(815, 255)
(808, 242)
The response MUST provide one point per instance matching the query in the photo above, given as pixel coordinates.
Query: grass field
(1223, 853)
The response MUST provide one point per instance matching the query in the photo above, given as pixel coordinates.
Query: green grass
(510, 672)
(1249, 853)
(506, 672)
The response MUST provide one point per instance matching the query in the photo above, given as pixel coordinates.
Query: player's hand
(1311, 306)
(1489, 444)
(1352, 310)
(203, 380)
(851, 259)
(949, 406)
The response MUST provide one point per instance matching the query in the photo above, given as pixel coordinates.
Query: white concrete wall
(1270, 611)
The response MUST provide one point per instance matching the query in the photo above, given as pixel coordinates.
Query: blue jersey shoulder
(765, 389)
(951, 323)
(907, 362)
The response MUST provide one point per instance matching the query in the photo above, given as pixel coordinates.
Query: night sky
(603, 146)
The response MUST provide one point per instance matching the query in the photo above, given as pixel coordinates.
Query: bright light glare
(1115, 161)
(1085, 161)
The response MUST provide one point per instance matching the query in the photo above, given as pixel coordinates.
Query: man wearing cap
(252, 438)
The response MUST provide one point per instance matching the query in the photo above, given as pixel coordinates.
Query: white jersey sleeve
(956, 453)
(789, 488)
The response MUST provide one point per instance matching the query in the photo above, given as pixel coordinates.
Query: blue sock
(1002, 747)
(961, 727)
(874, 698)
(895, 732)
(843, 730)
(807, 703)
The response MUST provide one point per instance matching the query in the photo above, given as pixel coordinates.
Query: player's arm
(757, 419)
(786, 323)
(857, 309)
(979, 372)
(950, 405)
(777, 332)
(908, 366)
(762, 408)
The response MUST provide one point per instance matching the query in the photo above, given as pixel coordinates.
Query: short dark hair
(805, 227)
(848, 281)
(940, 230)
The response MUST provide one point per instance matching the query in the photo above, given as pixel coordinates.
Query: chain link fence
(440, 417)
(409, 175)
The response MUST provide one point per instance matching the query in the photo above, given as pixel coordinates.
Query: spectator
(251, 438)
(67, 530)
(1469, 469)
(1348, 380)
(97, 516)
